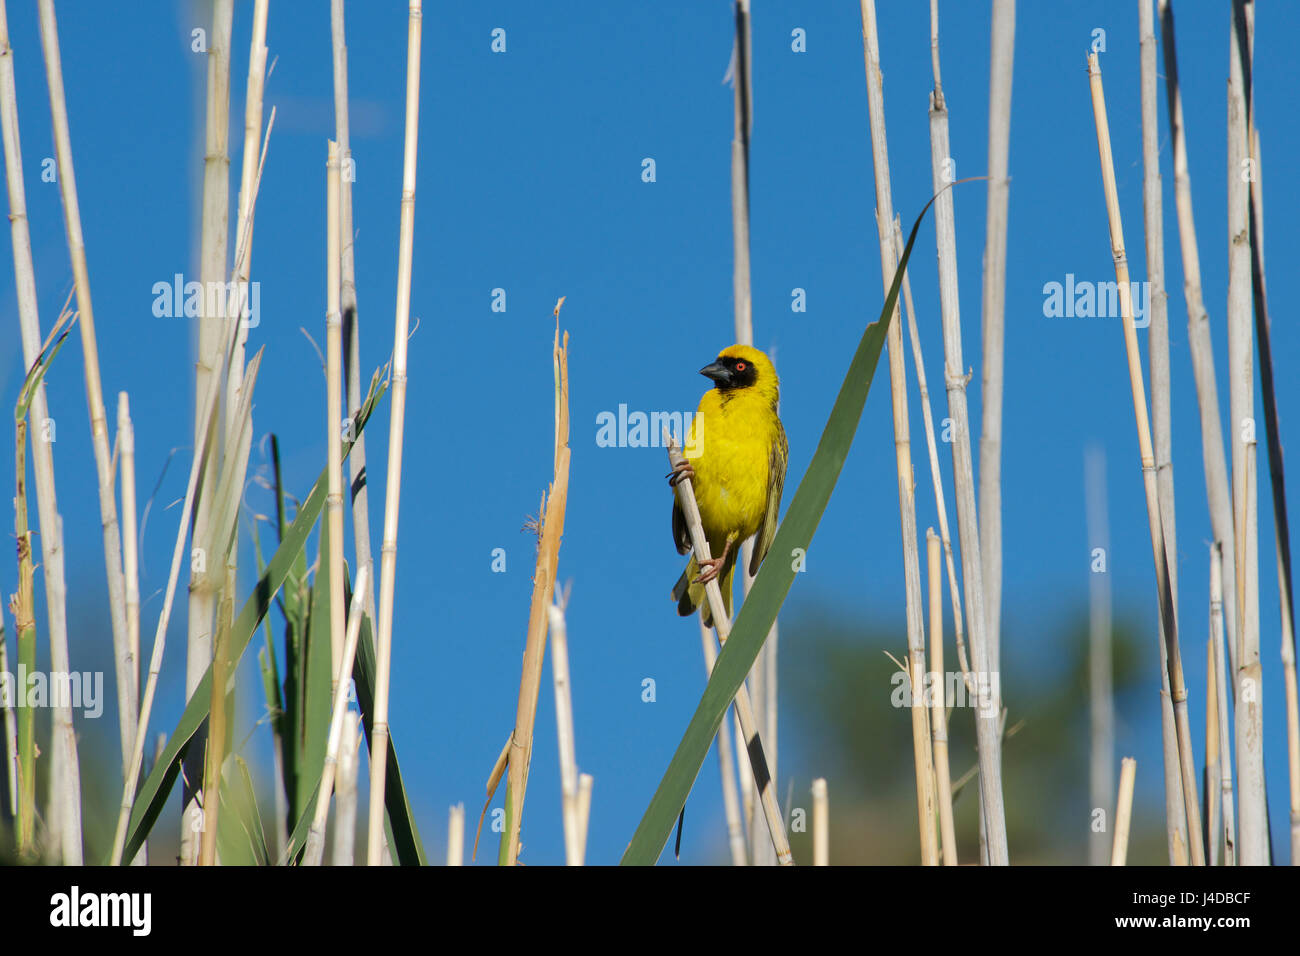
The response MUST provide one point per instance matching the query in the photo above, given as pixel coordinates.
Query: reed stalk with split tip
(550, 533)
(1160, 556)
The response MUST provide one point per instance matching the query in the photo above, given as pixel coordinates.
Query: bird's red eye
(740, 366)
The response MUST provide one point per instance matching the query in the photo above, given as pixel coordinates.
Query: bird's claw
(710, 572)
(681, 471)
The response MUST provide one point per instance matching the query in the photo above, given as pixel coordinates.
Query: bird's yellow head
(743, 368)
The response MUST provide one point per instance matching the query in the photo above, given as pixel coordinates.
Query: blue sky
(529, 180)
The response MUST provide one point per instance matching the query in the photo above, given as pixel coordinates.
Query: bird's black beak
(718, 372)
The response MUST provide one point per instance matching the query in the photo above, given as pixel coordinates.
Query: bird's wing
(681, 534)
(775, 485)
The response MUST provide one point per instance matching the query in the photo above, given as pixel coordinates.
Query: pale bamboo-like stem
(902, 429)
(52, 556)
(334, 412)
(1217, 490)
(550, 533)
(456, 836)
(396, 430)
(726, 763)
(744, 776)
(988, 732)
(209, 402)
(762, 676)
(1123, 811)
(1253, 838)
(9, 730)
(65, 737)
(922, 748)
(940, 504)
(160, 634)
(316, 836)
(1221, 679)
(993, 305)
(1161, 430)
(585, 783)
(1101, 767)
(248, 172)
(939, 705)
(131, 572)
(1213, 771)
(1277, 471)
(343, 851)
(722, 624)
(1159, 553)
(348, 300)
(212, 332)
(564, 731)
(821, 829)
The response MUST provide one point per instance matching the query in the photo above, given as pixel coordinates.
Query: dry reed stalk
(22, 606)
(343, 851)
(9, 729)
(898, 395)
(131, 573)
(988, 717)
(993, 306)
(940, 504)
(65, 753)
(334, 412)
(722, 624)
(316, 836)
(821, 823)
(248, 171)
(396, 430)
(939, 705)
(456, 836)
(52, 555)
(348, 301)
(550, 533)
(1213, 771)
(1123, 811)
(1253, 842)
(1217, 489)
(564, 731)
(1223, 783)
(585, 782)
(1277, 471)
(1158, 337)
(212, 332)
(726, 763)
(207, 408)
(763, 675)
(1159, 553)
(1101, 772)
(922, 752)
(160, 634)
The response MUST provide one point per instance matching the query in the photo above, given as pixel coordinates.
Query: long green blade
(770, 588)
(157, 786)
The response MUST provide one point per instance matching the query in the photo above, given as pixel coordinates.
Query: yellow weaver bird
(737, 471)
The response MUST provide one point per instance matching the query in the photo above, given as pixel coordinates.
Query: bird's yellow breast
(732, 437)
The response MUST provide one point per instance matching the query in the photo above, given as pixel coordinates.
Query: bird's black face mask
(728, 373)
